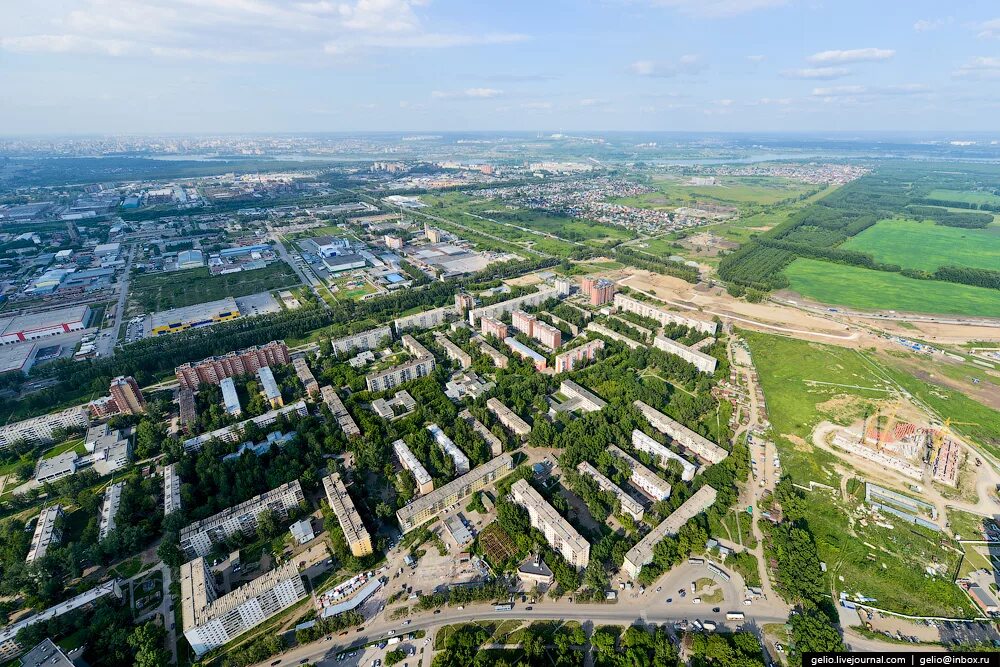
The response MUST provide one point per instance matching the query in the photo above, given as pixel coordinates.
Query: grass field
(878, 290)
(730, 191)
(928, 246)
(162, 291)
(894, 572)
(967, 196)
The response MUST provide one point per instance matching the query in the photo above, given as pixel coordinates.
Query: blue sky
(167, 66)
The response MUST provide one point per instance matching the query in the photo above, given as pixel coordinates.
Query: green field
(967, 196)
(878, 290)
(928, 246)
(162, 291)
(730, 191)
(894, 571)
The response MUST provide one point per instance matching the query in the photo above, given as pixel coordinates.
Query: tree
(147, 641)
(267, 525)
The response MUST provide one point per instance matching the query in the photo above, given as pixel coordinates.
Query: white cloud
(989, 29)
(771, 101)
(242, 31)
(868, 91)
(592, 102)
(537, 106)
(687, 64)
(980, 67)
(718, 8)
(837, 91)
(468, 93)
(926, 25)
(851, 55)
(822, 73)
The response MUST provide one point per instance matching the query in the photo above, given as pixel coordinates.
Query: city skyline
(101, 66)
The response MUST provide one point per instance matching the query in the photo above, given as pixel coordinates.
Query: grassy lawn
(163, 291)
(966, 196)
(855, 287)
(72, 444)
(730, 191)
(928, 246)
(968, 525)
(353, 288)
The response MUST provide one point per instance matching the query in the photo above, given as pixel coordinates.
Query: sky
(238, 66)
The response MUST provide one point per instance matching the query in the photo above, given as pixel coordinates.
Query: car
(377, 662)
(360, 628)
(391, 632)
(683, 594)
(406, 622)
(748, 602)
(329, 637)
(437, 611)
(276, 662)
(659, 588)
(779, 648)
(695, 600)
(715, 610)
(680, 591)
(528, 608)
(669, 600)
(461, 607)
(303, 661)
(427, 641)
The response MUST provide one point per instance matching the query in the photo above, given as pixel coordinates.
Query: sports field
(967, 196)
(731, 191)
(161, 291)
(928, 246)
(878, 290)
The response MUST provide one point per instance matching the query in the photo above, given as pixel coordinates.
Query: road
(306, 278)
(163, 610)
(108, 338)
(480, 233)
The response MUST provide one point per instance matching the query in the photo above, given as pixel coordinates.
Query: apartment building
(425, 320)
(410, 462)
(560, 535)
(355, 533)
(547, 335)
(428, 506)
(642, 553)
(698, 445)
(269, 387)
(598, 291)
(508, 418)
(454, 352)
(109, 509)
(580, 398)
(210, 620)
(127, 395)
(703, 362)
(48, 531)
(306, 377)
(230, 398)
(340, 413)
(570, 359)
(523, 322)
(525, 352)
(627, 503)
(397, 375)
(171, 489)
(197, 538)
(597, 328)
(40, 429)
(499, 359)
(372, 339)
(457, 456)
(244, 362)
(235, 432)
(491, 326)
(644, 443)
(642, 477)
(632, 305)
(496, 446)
(509, 306)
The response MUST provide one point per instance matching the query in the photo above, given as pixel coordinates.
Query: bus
(504, 606)
(735, 616)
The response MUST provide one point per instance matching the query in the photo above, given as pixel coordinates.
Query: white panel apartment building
(210, 621)
(703, 362)
(197, 538)
(340, 413)
(642, 553)
(457, 456)
(643, 477)
(560, 535)
(355, 533)
(698, 445)
(39, 429)
(366, 340)
(454, 352)
(664, 317)
(47, 532)
(425, 320)
(644, 443)
(508, 417)
(235, 432)
(509, 306)
(406, 459)
(628, 504)
(427, 507)
(496, 446)
(171, 489)
(112, 501)
(397, 375)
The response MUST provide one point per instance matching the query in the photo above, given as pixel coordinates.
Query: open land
(161, 291)
(928, 246)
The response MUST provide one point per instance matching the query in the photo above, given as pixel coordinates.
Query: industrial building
(34, 326)
(190, 259)
(698, 445)
(40, 429)
(457, 456)
(109, 509)
(245, 362)
(496, 446)
(642, 553)
(454, 352)
(192, 317)
(171, 490)
(644, 443)
(210, 621)
(355, 533)
(48, 531)
(703, 362)
(197, 538)
(560, 535)
(230, 398)
(425, 320)
(628, 505)
(508, 418)
(631, 305)
(642, 477)
(339, 411)
(127, 395)
(410, 462)
(509, 306)
(428, 506)
(372, 339)
(570, 359)
(234, 432)
(269, 387)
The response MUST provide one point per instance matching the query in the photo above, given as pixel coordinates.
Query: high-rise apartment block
(598, 290)
(569, 359)
(491, 326)
(244, 362)
(128, 397)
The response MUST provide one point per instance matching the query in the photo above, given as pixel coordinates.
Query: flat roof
(44, 319)
(523, 349)
(16, 357)
(195, 313)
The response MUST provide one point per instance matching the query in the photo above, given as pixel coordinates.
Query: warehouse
(191, 317)
(41, 325)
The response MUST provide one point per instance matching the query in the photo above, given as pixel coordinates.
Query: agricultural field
(894, 573)
(736, 191)
(161, 291)
(856, 287)
(966, 196)
(928, 246)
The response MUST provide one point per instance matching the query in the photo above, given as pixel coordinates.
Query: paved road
(108, 338)
(307, 279)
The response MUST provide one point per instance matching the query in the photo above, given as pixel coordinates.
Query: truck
(393, 640)
(735, 616)
(504, 606)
